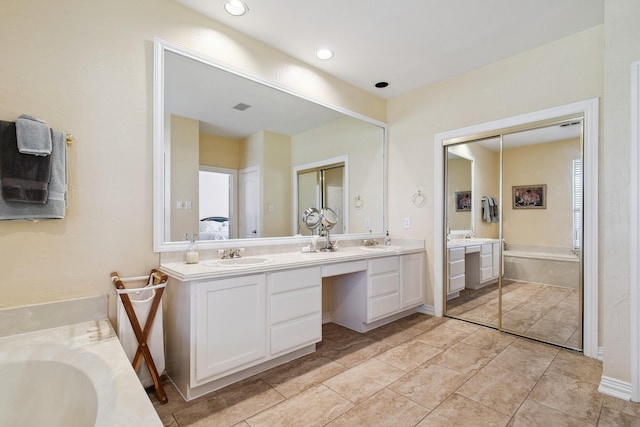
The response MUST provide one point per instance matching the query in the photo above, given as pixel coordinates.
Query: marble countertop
(211, 268)
(457, 243)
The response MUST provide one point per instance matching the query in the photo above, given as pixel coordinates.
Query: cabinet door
(230, 325)
(295, 309)
(412, 279)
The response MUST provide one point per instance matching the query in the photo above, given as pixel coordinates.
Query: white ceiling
(409, 43)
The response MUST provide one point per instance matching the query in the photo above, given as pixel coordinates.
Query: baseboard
(326, 317)
(427, 309)
(616, 388)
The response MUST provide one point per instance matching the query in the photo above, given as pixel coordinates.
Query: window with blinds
(577, 203)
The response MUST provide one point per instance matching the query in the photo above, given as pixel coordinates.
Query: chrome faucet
(231, 253)
(369, 242)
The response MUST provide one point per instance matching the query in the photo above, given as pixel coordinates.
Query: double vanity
(229, 319)
(471, 264)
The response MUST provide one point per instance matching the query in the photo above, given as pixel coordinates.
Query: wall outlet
(407, 222)
(179, 204)
(367, 223)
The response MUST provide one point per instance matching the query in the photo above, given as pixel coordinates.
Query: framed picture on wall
(529, 196)
(463, 201)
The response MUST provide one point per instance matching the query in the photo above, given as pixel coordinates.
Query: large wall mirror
(228, 148)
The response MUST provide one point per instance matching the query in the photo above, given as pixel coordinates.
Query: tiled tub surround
(75, 374)
(224, 324)
(541, 264)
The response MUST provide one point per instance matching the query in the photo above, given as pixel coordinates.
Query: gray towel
(56, 204)
(34, 136)
(25, 178)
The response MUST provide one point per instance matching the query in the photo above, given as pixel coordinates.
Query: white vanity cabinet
(295, 309)
(482, 265)
(383, 287)
(230, 325)
(455, 270)
(411, 280)
(220, 331)
(382, 293)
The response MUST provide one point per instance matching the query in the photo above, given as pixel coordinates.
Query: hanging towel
(56, 204)
(33, 135)
(490, 209)
(25, 178)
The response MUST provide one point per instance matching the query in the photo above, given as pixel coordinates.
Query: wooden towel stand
(158, 281)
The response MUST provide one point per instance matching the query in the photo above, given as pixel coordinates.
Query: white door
(249, 203)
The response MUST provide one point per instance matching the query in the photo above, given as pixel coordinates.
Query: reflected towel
(25, 178)
(33, 135)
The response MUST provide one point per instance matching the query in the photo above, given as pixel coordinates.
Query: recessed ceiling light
(235, 7)
(324, 54)
(382, 84)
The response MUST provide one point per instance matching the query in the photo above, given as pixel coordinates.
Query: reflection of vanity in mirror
(237, 158)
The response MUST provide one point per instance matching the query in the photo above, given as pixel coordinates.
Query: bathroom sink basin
(238, 262)
(381, 248)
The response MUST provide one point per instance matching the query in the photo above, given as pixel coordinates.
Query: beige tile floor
(544, 312)
(417, 371)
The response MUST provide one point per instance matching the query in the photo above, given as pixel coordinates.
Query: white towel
(33, 135)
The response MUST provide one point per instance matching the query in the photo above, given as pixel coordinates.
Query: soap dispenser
(193, 256)
(387, 239)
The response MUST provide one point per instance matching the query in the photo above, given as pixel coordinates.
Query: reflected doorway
(216, 207)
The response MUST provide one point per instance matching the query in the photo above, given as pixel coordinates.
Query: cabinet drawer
(293, 304)
(456, 254)
(385, 284)
(456, 268)
(486, 273)
(384, 265)
(344, 268)
(456, 283)
(486, 249)
(383, 306)
(296, 333)
(284, 281)
(486, 261)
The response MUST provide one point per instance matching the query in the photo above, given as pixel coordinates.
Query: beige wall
(276, 205)
(549, 164)
(355, 139)
(622, 34)
(558, 73)
(219, 151)
(184, 177)
(87, 69)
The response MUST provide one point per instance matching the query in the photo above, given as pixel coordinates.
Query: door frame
(634, 252)
(589, 110)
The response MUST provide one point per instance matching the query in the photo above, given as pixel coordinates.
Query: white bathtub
(75, 375)
(539, 264)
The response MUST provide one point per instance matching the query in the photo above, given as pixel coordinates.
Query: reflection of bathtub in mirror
(542, 264)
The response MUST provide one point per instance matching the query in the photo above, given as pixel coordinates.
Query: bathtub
(540, 264)
(75, 375)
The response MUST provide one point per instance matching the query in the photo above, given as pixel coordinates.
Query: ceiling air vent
(241, 107)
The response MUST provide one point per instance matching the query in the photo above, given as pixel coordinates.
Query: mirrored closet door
(514, 231)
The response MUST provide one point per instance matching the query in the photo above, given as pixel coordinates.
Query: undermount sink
(238, 262)
(381, 248)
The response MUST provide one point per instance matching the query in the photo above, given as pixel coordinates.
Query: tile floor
(417, 371)
(545, 312)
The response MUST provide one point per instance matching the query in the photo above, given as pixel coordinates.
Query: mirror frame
(159, 176)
